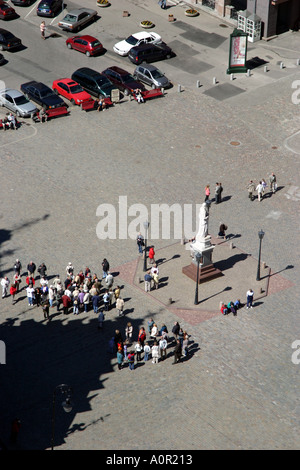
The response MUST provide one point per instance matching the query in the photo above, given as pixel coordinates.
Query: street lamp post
(261, 234)
(198, 258)
(146, 225)
(66, 404)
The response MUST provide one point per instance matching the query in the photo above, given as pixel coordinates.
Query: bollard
(179, 88)
(264, 265)
(265, 68)
(298, 61)
(281, 65)
(215, 80)
(162, 90)
(231, 76)
(183, 241)
(198, 84)
(170, 300)
(231, 246)
(248, 73)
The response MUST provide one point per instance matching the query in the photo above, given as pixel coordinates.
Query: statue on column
(203, 221)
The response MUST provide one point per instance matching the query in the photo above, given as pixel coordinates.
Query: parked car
(22, 3)
(94, 82)
(151, 75)
(16, 102)
(42, 95)
(8, 41)
(123, 80)
(71, 90)
(86, 44)
(6, 12)
(76, 19)
(49, 8)
(149, 53)
(2, 60)
(136, 39)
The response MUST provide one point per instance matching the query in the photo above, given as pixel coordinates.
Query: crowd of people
(78, 292)
(261, 187)
(131, 352)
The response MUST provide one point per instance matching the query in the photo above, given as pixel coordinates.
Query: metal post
(198, 257)
(261, 236)
(146, 225)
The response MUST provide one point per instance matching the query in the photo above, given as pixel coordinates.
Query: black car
(49, 8)
(94, 82)
(8, 41)
(149, 53)
(123, 80)
(2, 60)
(42, 95)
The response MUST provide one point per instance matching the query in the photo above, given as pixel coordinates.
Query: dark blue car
(42, 95)
(49, 8)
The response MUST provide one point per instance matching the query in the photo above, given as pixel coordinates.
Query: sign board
(115, 95)
(237, 52)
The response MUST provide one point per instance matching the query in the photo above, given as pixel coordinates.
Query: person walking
(140, 242)
(259, 188)
(250, 295)
(273, 183)
(43, 29)
(251, 189)
(177, 352)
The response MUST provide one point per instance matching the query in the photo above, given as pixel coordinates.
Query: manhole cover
(274, 148)
(198, 146)
(235, 143)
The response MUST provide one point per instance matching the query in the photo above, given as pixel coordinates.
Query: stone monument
(202, 244)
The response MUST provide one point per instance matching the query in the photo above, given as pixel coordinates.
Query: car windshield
(70, 18)
(19, 100)
(76, 89)
(8, 35)
(46, 92)
(44, 5)
(95, 43)
(131, 40)
(127, 78)
(4, 6)
(157, 73)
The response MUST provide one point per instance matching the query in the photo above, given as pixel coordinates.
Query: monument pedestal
(207, 271)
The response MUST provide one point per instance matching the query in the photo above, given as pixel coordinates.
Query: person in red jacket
(151, 255)
(66, 301)
(13, 291)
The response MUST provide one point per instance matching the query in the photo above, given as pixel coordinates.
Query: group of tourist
(78, 292)
(155, 348)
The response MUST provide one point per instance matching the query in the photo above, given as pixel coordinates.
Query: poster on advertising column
(237, 52)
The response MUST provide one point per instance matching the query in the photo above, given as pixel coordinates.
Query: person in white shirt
(4, 284)
(250, 295)
(138, 349)
(259, 189)
(163, 347)
(155, 353)
(30, 295)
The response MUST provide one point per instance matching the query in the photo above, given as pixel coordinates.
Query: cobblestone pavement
(238, 389)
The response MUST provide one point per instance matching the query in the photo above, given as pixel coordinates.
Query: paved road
(239, 388)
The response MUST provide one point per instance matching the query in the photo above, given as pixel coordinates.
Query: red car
(6, 12)
(86, 44)
(71, 90)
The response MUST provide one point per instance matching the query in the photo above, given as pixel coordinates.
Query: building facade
(277, 16)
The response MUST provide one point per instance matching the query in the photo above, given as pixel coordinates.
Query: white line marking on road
(22, 138)
(29, 12)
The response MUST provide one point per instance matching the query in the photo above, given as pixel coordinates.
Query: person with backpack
(130, 358)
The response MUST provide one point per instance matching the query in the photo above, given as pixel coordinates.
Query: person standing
(31, 267)
(17, 267)
(17, 280)
(142, 336)
(251, 189)
(185, 344)
(86, 301)
(4, 284)
(155, 352)
(128, 333)
(130, 358)
(163, 347)
(151, 255)
(95, 302)
(273, 183)
(45, 307)
(177, 352)
(100, 320)
(175, 330)
(148, 280)
(207, 193)
(140, 242)
(138, 349)
(217, 193)
(30, 295)
(66, 301)
(106, 300)
(120, 358)
(43, 29)
(42, 270)
(259, 189)
(250, 295)
(120, 306)
(105, 268)
(13, 291)
(147, 351)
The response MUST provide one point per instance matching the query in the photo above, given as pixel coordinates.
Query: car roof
(77, 11)
(12, 93)
(149, 67)
(87, 37)
(67, 81)
(3, 31)
(144, 34)
(117, 69)
(37, 85)
(143, 47)
(88, 71)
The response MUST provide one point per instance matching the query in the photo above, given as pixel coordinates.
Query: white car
(136, 39)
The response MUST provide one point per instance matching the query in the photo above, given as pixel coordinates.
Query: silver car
(76, 19)
(16, 102)
(151, 75)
